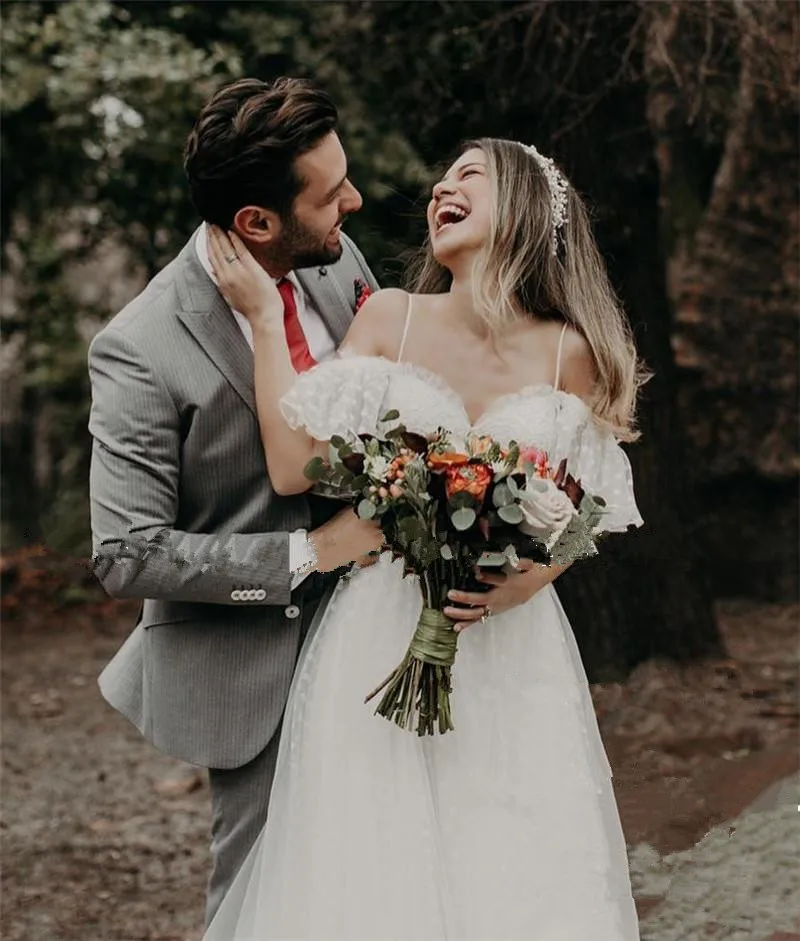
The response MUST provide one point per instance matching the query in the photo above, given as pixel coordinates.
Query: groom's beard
(299, 247)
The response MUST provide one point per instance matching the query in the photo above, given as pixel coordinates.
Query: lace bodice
(351, 393)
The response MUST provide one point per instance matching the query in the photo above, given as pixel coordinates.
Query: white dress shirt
(321, 345)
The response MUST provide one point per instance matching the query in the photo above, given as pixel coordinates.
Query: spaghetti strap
(558, 355)
(405, 330)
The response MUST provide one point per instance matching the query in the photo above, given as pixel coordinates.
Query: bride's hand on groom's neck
(243, 283)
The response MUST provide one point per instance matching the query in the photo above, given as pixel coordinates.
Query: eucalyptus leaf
(366, 509)
(591, 511)
(502, 495)
(446, 552)
(461, 500)
(511, 514)
(391, 415)
(315, 469)
(464, 518)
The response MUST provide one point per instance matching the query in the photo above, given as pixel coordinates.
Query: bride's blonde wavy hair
(517, 274)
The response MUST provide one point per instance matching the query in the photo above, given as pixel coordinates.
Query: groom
(183, 513)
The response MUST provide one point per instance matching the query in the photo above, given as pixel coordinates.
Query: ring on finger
(231, 259)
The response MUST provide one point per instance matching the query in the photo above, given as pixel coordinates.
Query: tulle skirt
(505, 829)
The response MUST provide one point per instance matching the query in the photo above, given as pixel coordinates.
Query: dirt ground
(104, 839)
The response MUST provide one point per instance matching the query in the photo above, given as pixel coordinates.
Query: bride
(505, 828)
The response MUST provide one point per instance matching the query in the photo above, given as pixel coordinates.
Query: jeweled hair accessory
(559, 186)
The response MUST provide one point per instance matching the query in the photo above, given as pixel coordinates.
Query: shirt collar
(201, 249)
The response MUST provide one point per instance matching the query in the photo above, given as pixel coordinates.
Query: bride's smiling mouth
(449, 214)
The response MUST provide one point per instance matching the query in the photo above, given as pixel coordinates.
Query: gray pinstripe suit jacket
(184, 517)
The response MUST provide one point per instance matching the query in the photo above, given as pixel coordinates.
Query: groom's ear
(256, 224)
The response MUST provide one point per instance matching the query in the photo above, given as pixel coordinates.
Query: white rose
(376, 467)
(547, 510)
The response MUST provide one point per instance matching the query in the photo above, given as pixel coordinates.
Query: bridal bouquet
(445, 506)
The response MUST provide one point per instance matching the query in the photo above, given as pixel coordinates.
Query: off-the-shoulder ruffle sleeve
(342, 396)
(605, 470)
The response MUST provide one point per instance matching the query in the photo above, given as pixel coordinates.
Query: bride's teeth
(456, 211)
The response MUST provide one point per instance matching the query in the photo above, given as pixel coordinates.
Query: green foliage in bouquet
(442, 510)
(578, 540)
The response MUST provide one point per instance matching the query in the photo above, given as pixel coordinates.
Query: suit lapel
(329, 299)
(210, 321)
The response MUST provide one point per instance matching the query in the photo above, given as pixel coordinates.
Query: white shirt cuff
(299, 554)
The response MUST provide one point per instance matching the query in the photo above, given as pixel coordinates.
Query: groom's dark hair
(242, 149)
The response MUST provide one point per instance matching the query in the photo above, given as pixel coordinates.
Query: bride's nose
(443, 188)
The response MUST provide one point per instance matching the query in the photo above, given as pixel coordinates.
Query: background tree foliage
(676, 118)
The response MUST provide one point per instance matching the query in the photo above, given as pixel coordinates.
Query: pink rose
(536, 459)
(547, 510)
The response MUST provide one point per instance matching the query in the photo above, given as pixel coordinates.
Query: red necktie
(296, 339)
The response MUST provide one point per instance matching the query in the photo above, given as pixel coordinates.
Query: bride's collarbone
(479, 384)
(477, 374)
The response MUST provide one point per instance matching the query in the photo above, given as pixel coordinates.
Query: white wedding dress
(505, 829)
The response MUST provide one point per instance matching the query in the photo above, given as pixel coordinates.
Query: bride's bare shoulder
(377, 328)
(578, 366)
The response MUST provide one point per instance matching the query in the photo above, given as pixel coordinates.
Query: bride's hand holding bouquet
(502, 591)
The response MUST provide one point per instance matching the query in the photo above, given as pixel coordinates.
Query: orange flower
(446, 459)
(473, 479)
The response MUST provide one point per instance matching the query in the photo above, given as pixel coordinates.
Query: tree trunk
(735, 272)
(648, 594)
(21, 498)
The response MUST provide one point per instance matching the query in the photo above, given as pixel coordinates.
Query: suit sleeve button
(260, 594)
(292, 611)
(236, 595)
